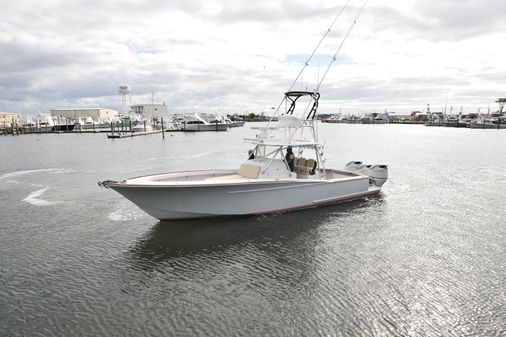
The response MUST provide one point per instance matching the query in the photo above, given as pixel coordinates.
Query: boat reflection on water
(271, 234)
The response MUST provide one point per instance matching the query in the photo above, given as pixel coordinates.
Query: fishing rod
(311, 56)
(319, 43)
(334, 58)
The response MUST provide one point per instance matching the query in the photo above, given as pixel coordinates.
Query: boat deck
(337, 174)
(230, 176)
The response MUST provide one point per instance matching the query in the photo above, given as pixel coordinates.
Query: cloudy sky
(235, 56)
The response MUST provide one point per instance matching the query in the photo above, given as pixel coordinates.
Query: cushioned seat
(249, 171)
(300, 163)
(308, 167)
(311, 164)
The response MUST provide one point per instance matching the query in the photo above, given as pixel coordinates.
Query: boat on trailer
(263, 184)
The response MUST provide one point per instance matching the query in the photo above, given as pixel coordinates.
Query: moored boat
(491, 123)
(197, 123)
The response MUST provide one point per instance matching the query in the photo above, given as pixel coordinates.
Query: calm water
(425, 258)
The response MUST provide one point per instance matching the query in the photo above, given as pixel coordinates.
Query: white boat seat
(249, 171)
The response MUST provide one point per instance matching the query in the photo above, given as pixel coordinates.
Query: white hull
(487, 125)
(169, 197)
(206, 127)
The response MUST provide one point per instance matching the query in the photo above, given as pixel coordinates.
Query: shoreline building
(150, 110)
(96, 114)
(7, 118)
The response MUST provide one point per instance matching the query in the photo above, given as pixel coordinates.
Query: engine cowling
(378, 174)
(352, 166)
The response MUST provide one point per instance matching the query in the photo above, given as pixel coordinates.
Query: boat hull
(205, 127)
(194, 201)
(487, 125)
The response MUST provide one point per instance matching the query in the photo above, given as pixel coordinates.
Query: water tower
(124, 96)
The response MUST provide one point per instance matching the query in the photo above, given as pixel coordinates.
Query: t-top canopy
(293, 96)
(299, 93)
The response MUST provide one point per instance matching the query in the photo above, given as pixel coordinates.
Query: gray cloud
(447, 20)
(71, 53)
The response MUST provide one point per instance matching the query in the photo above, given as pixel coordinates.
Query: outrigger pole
(341, 45)
(334, 58)
(318, 45)
(316, 95)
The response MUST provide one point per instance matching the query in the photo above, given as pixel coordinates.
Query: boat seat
(249, 171)
(311, 163)
(300, 163)
(309, 167)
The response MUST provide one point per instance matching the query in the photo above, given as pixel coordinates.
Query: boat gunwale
(219, 183)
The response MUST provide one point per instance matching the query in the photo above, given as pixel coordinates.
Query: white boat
(196, 123)
(88, 123)
(264, 184)
(271, 179)
(488, 123)
(43, 122)
(142, 126)
(228, 121)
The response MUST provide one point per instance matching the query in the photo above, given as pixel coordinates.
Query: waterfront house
(8, 118)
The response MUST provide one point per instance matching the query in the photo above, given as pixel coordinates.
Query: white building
(7, 118)
(97, 114)
(150, 110)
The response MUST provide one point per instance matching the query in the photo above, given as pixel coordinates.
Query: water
(425, 258)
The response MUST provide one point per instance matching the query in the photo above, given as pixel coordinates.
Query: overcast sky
(234, 56)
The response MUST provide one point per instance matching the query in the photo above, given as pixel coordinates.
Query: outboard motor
(364, 169)
(352, 166)
(378, 174)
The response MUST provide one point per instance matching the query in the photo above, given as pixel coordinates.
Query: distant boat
(223, 119)
(196, 123)
(332, 119)
(489, 123)
(88, 123)
(43, 123)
